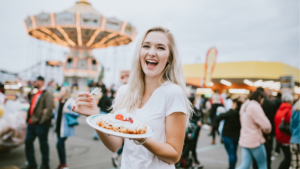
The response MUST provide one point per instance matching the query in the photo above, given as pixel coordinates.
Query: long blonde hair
(136, 84)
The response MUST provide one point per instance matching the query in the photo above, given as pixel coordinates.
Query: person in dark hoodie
(231, 131)
(191, 139)
(104, 104)
(197, 121)
(277, 103)
(216, 101)
(270, 110)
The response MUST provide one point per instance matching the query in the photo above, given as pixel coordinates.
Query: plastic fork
(96, 91)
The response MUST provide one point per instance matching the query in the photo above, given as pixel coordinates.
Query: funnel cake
(122, 122)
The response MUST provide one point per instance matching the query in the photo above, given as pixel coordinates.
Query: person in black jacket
(191, 139)
(197, 121)
(231, 131)
(105, 106)
(216, 102)
(277, 103)
(104, 102)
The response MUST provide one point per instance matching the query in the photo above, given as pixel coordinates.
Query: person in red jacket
(284, 113)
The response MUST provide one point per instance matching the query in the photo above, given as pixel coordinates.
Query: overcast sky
(240, 30)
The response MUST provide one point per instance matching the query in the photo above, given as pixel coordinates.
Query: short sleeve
(121, 90)
(175, 100)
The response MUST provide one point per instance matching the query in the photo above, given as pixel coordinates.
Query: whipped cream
(111, 119)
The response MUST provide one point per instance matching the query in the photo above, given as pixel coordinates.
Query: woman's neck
(151, 83)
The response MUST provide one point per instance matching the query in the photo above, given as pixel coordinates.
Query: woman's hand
(66, 110)
(85, 104)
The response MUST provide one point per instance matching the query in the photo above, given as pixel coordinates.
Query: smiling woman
(154, 53)
(156, 95)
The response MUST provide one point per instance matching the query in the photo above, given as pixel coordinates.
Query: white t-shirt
(165, 100)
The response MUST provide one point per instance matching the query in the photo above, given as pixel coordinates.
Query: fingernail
(91, 103)
(91, 98)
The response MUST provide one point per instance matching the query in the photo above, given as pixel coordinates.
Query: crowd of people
(254, 124)
(45, 112)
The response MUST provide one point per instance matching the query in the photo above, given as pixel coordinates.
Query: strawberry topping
(119, 117)
(130, 120)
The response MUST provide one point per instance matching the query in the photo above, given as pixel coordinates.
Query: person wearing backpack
(295, 140)
(64, 121)
(283, 115)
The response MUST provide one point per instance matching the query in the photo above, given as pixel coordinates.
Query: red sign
(210, 64)
(124, 75)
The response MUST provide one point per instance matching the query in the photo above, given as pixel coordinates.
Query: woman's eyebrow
(161, 45)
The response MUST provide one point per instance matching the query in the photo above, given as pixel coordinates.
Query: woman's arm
(86, 105)
(223, 116)
(170, 151)
(111, 142)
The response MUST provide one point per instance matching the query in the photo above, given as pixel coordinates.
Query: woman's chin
(151, 74)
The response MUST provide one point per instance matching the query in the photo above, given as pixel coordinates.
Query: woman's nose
(152, 52)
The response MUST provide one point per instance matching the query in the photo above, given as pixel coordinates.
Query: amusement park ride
(82, 28)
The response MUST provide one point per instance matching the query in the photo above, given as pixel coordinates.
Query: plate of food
(120, 124)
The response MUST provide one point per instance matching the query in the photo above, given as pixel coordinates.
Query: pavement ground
(85, 153)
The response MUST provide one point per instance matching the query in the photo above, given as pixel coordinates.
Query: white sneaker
(115, 161)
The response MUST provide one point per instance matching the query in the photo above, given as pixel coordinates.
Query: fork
(96, 91)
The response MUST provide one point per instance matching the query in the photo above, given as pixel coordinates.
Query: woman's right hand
(85, 104)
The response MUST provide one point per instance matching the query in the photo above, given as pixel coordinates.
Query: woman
(284, 113)
(231, 131)
(155, 93)
(196, 120)
(295, 140)
(253, 123)
(216, 101)
(61, 127)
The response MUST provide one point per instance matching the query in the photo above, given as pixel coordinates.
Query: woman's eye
(162, 48)
(146, 46)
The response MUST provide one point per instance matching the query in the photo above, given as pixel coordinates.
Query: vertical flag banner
(209, 65)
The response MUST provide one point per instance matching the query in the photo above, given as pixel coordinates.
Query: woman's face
(62, 92)
(154, 53)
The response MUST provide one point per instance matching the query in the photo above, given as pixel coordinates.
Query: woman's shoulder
(122, 89)
(170, 87)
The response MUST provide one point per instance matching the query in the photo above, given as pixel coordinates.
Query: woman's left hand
(138, 139)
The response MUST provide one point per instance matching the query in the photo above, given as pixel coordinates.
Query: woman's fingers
(81, 103)
(85, 99)
(80, 94)
(77, 110)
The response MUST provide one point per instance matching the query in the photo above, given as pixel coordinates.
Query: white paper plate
(93, 119)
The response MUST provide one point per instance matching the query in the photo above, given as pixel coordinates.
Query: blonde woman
(155, 93)
(61, 125)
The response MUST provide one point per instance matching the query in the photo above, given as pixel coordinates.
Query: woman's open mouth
(151, 64)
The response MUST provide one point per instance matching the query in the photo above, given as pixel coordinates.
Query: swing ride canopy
(81, 25)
